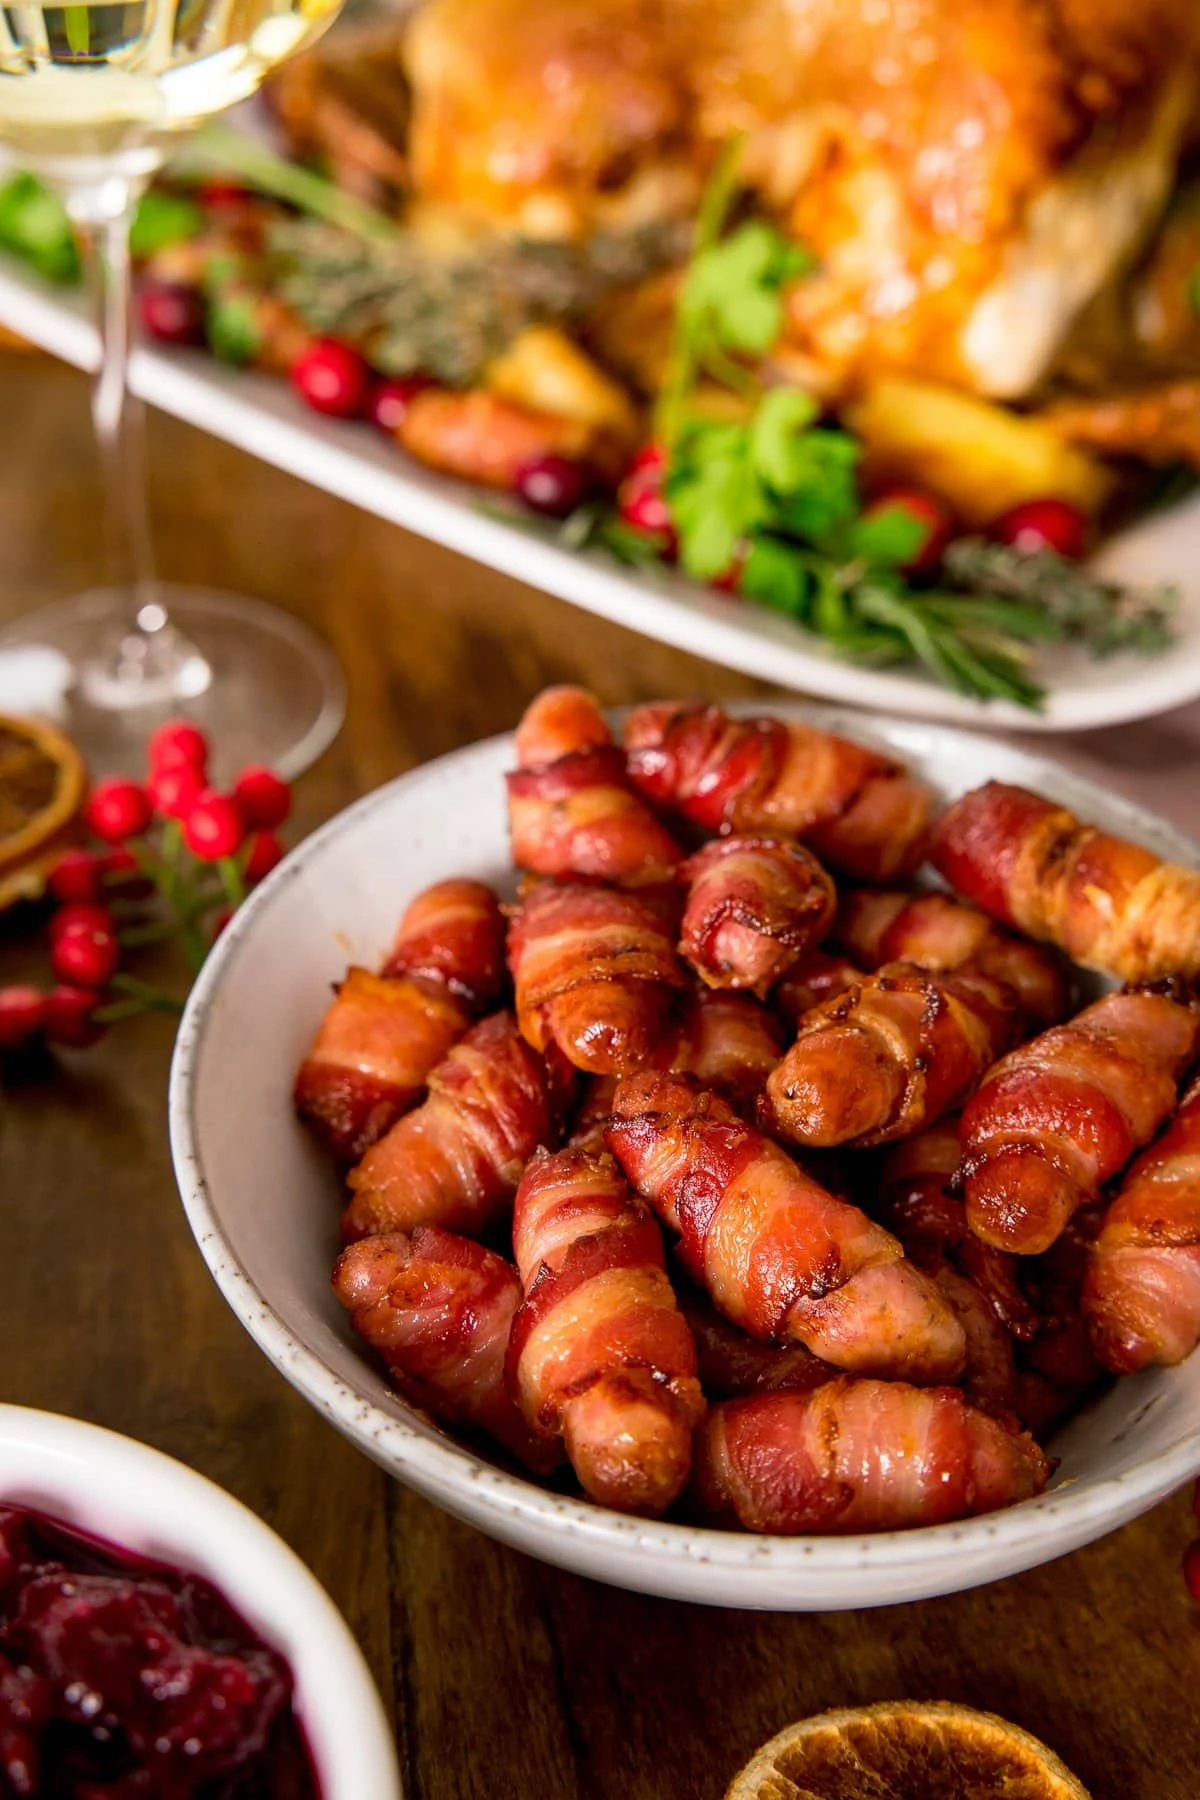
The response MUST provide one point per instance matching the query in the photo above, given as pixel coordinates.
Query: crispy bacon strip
(732, 1364)
(890, 1056)
(859, 1456)
(595, 971)
(819, 976)
(600, 1353)
(727, 1041)
(383, 1033)
(1111, 905)
(457, 1159)
(1141, 1297)
(571, 807)
(1058, 1370)
(439, 1309)
(778, 1254)
(1062, 1115)
(754, 906)
(858, 809)
(453, 936)
(938, 933)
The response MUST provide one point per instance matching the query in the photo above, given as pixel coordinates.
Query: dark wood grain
(508, 1678)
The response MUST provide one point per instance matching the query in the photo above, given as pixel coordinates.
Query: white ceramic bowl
(264, 1208)
(144, 1501)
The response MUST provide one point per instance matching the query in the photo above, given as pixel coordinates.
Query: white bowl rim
(58, 1442)
(439, 1467)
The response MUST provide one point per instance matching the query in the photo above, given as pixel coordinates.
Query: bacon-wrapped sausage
(727, 1041)
(859, 1456)
(1110, 904)
(600, 1353)
(371, 1058)
(438, 1309)
(778, 1254)
(732, 1364)
(457, 1159)
(860, 810)
(1141, 1296)
(889, 1056)
(938, 933)
(452, 936)
(383, 1033)
(1059, 1117)
(1058, 1369)
(595, 972)
(572, 809)
(754, 906)
(819, 976)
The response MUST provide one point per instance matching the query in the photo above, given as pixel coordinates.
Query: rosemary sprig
(1085, 609)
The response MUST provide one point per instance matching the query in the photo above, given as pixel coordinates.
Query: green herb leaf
(887, 538)
(774, 574)
(821, 492)
(233, 329)
(162, 219)
(782, 415)
(35, 227)
(732, 296)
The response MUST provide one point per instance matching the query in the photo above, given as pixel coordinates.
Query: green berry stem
(155, 869)
(147, 998)
(232, 881)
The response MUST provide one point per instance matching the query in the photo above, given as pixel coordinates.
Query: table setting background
(503, 1676)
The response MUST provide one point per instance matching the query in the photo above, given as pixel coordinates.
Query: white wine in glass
(91, 97)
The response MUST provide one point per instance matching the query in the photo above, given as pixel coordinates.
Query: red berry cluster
(172, 838)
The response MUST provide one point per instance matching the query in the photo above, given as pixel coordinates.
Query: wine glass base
(262, 686)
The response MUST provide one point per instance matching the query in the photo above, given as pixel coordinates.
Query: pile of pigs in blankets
(803, 1207)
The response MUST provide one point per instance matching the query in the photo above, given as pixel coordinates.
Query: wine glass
(91, 96)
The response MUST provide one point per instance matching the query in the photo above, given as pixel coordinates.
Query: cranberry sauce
(127, 1679)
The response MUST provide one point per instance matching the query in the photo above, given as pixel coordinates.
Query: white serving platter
(262, 416)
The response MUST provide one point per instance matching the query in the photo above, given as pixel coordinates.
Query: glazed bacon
(889, 1056)
(595, 972)
(754, 906)
(859, 1456)
(938, 933)
(439, 1309)
(731, 1364)
(1141, 1296)
(383, 1033)
(457, 1159)
(452, 936)
(571, 807)
(727, 1041)
(1062, 1115)
(1110, 904)
(819, 976)
(1058, 1369)
(779, 1255)
(600, 1353)
(858, 809)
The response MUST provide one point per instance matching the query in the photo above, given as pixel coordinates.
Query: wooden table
(506, 1678)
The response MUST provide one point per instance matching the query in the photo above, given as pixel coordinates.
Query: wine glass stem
(148, 662)
(102, 217)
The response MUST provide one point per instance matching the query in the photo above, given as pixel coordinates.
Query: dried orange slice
(905, 1750)
(42, 787)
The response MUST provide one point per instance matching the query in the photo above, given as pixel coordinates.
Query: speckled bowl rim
(543, 1522)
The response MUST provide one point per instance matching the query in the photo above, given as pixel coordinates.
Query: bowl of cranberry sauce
(159, 1642)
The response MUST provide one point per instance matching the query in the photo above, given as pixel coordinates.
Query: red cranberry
(266, 853)
(68, 1018)
(641, 502)
(388, 400)
(214, 828)
(85, 955)
(175, 791)
(76, 876)
(81, 914)
(117, 810)
(930, 513)
(1044, 525)
(332, 378)
(178, 745)
(553, 485)
(219, 194)
(171, 312)
(263, 799)
(22, 1015)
